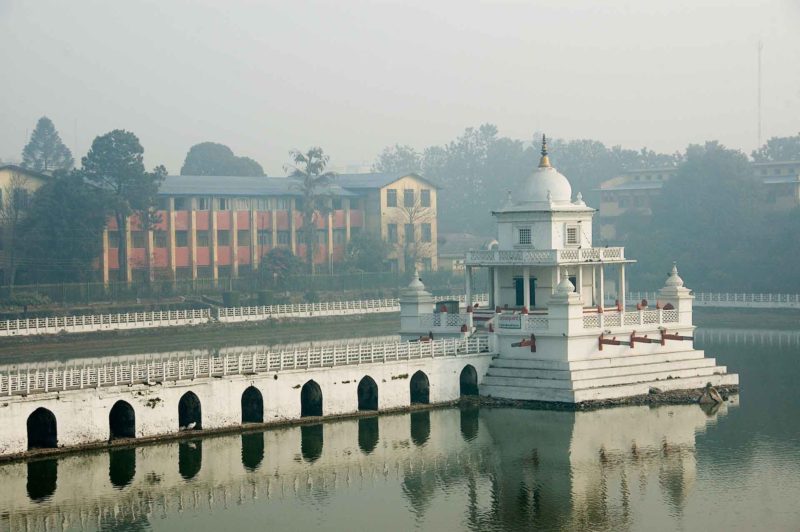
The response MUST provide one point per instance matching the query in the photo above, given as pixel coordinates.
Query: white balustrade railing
(545, 256)
(627, 319)
(722, 299)
(150, 370)
(535, 323)
(443, 320)
(333, 308)
(100, 322)
(141, 320)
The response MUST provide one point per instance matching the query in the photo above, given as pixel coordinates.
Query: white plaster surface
(82, 416)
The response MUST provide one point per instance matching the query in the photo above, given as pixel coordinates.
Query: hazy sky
(353, 77)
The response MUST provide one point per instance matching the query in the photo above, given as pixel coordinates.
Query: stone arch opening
(420, 389)
(190, 458)
(367, 394)
(42, 479)
(420, 427)
(368, 434)
(121, 467)
(310, 400)
(190, 413)
(121, 421)
(311, 440)
(252, 406)
(42, 429)
(252, 450)
(468, 380)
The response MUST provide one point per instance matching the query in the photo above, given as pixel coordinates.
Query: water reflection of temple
(500, 468)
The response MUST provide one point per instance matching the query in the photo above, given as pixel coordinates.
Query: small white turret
(415, 301)
(677, 295)
(566, 307)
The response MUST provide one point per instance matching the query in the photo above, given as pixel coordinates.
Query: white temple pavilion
(557, 334)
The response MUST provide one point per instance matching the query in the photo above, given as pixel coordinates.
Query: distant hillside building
(219, 226)
(634, 191)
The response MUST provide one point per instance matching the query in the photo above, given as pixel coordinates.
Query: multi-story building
(635, 190)
(17, 184)
(219, 226)
(402, 210)
(782, 181)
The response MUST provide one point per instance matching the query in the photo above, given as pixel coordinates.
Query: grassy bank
(214, 335)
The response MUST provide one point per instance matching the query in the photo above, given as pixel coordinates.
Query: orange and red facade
(225, 237)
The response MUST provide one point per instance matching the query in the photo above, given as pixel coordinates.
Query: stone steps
(530, 392)
(662, 372)
(641, 388)
(598, 363)
(630, 369)
(527, 393)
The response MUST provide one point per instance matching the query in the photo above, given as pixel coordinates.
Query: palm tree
(311, 181)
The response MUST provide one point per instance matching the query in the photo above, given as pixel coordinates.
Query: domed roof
(546, 184)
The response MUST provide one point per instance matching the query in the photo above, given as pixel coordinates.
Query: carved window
(573, 238)
(525, 236)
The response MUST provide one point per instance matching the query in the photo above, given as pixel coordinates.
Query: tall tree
(707, 218)
(14, 207)
(416, 245)
(211, 158)
(779, 149)
(312, 181)
(115, 165)
(64, 252)
(45, 152)
(398, 159)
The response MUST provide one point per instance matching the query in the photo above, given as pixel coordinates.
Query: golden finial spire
(544, 162)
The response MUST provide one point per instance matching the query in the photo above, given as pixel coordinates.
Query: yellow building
(633, 192)
(629, 192)
(402, 209)
(17, 184)
(782, 182)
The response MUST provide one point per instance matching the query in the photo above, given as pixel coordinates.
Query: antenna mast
(760, 47)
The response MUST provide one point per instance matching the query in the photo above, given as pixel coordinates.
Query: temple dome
(547, 184)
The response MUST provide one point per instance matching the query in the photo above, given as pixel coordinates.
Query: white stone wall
(82, 416)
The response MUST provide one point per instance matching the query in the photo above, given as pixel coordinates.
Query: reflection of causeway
(515, 468)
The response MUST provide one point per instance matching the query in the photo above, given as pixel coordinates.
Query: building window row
(244, 204)
(409, 233)
(409, 198)
(264, 237)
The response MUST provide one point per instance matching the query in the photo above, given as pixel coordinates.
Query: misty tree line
(710, 217)
(53, 235)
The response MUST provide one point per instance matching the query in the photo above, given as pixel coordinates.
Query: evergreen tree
(45, 152)
(115, 166)
(64, 252)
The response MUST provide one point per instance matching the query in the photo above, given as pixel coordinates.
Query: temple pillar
(468, 282)
(600, 294)
(526, 287)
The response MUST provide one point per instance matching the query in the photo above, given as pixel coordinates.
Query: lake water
(627, 468)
